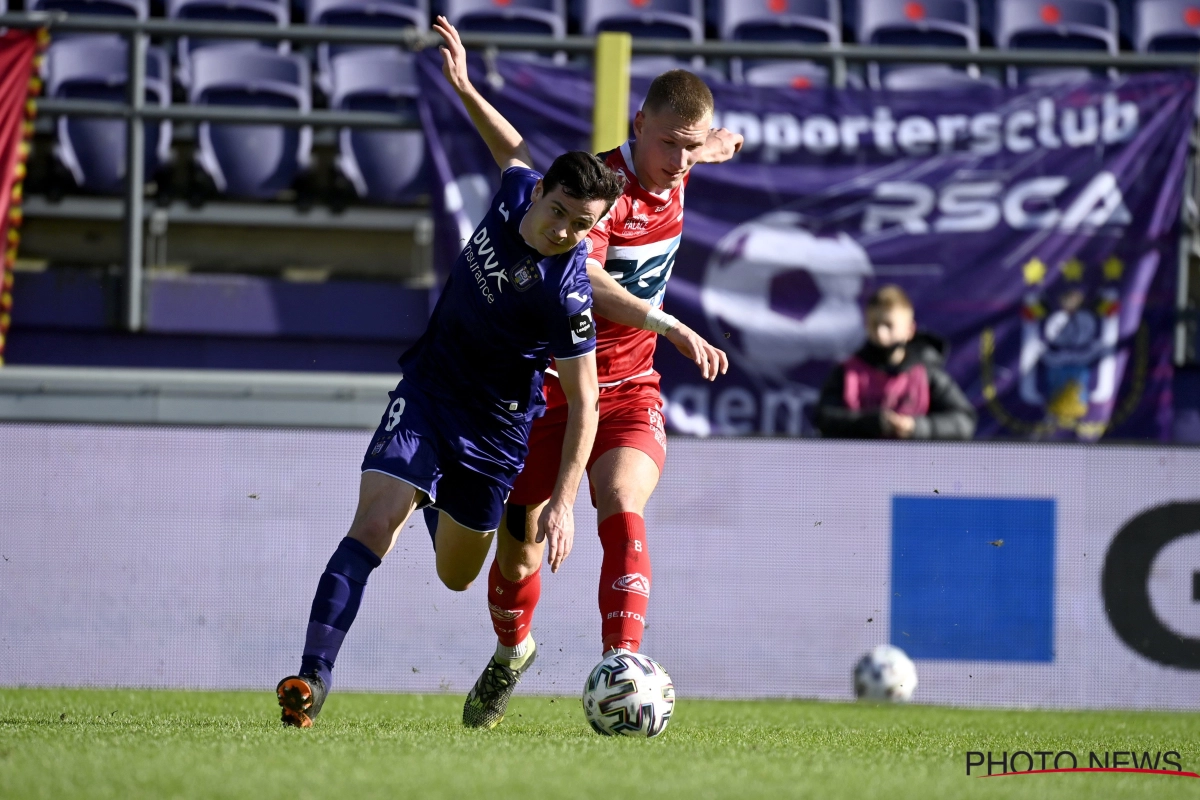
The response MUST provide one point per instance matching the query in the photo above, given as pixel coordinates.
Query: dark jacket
(856, 392)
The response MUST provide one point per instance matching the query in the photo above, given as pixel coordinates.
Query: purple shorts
(464, 459)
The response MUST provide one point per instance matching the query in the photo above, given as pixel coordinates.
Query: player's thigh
(384, 504)
(400, 470)
(460, 552)
(539, 473)
(622, 479)
(628, 455)
(518, 552)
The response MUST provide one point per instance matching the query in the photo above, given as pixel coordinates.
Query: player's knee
(519, 567)
(373, 530)
(618, 500)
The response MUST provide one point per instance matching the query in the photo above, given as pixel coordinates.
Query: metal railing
(139, 32)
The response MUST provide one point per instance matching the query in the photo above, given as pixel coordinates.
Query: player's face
(890, 327)
(667, 147)
(556, 222)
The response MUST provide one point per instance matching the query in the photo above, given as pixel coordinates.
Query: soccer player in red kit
(632, 252)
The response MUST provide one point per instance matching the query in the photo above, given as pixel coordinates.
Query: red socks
(624, 580)
(512, 604)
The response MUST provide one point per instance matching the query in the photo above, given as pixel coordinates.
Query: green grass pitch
(61, 743)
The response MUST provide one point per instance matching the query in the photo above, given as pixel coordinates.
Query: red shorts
(630, 416)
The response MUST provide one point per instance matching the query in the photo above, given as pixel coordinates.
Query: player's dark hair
(683, 94)
(585, 177)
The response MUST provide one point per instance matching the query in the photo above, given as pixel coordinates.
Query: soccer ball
(628, 694)
(885, 673)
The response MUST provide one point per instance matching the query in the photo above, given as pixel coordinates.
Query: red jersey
(636, 243)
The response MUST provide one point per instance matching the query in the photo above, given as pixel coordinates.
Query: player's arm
(579, 383)
(506, 145)
(613, 302)
(721, 145)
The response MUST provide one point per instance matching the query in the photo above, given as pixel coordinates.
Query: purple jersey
(504, 312)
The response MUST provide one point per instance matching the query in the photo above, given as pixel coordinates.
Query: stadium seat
(539, 17)
(1167, 26)
(275, 12)
(1055, 25)
(93, 149)
(803, 21)
(918, 23)
(658, 19)
(386, 166)
(139, 9)
(809, 21)
(361, 14)
(933, 76)
(251, 160)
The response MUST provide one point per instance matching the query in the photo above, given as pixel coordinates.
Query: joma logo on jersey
(635, 583)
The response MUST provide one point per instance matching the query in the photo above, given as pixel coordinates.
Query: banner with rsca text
(1036, 229)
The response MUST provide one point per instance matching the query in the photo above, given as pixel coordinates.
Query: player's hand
(722, 144)
(454, 55)
(711, 361)
(557, 523)
(899, 425)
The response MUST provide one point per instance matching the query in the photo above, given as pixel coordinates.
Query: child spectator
(896, 386)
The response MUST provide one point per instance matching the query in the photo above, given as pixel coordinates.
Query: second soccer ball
(885, 673)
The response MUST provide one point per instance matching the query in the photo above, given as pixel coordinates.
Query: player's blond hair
(682, 93)
(887, 297)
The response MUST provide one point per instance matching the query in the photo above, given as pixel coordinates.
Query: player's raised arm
(613, 302)
(506, 145)
(582, 388)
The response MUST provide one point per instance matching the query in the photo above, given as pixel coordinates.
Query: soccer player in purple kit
(454, 434)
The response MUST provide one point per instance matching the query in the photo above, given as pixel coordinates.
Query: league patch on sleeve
(583, 327)
(524, 274)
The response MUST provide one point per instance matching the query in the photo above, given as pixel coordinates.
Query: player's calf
(624, 581)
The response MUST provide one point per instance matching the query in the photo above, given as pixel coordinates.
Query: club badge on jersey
(524, 274)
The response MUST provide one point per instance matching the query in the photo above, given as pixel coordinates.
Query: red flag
(18, 84)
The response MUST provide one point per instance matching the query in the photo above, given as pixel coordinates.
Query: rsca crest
(788, 296)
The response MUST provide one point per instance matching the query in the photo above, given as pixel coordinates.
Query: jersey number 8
(394, 412)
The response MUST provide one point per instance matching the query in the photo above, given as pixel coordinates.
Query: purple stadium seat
(811, 21)
(139, 9)
(361, 14)
(1055, 25)
(97, 68)
(659, 19)
(1167, 26)
(251, 160)
(274, 12)
(794, 74)
(542, 17)
(917, 23)
(387, 166)
(806, 21)
(934, 76)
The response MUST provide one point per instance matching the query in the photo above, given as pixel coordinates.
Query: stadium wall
(157, 556)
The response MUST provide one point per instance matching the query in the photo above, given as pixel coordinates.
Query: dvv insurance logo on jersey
(990, 764)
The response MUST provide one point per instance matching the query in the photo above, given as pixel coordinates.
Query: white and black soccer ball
(886, 673)
(628, 694)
